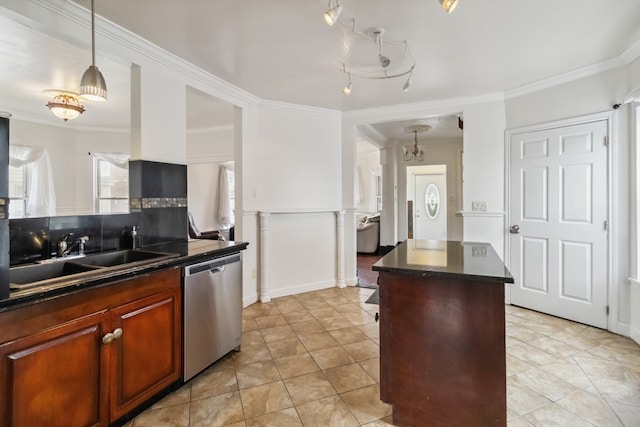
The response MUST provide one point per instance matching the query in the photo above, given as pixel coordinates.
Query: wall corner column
(341, 283)
(264, 264)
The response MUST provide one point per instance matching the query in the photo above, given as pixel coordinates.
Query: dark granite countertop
(185, 253)
(448, 259)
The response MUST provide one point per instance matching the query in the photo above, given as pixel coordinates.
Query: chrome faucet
(64, 247)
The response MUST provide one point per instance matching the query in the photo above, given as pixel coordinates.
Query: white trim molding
(634, 324)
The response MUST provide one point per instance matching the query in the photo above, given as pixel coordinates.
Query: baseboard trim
(299, 289)
(249, 299)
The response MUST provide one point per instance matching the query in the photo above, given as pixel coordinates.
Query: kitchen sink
(53, 271)
(33, 274)
(115, 258)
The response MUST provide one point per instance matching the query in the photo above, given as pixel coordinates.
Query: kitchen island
(442, 334)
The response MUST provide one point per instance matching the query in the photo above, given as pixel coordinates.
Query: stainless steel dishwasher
(212, 311)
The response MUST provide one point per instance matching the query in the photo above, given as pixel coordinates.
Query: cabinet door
(146, 358)
(55, 377)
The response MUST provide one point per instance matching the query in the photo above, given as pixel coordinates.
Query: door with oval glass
(430, 213)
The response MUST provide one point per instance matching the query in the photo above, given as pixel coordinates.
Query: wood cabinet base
(442, 351)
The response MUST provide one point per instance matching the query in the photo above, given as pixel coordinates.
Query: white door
(430, 210)
(558, 206)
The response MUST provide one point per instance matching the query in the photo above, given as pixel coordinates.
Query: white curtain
(120, 160)
(41, 194)
(225, 216)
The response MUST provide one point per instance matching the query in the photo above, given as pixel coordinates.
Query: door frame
(612, 289)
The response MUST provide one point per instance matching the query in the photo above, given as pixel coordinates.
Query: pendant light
(92, 85)
(64, 105)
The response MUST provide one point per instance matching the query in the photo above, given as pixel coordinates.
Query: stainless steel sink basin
(51, 273)
(115, 258)
(34, 274)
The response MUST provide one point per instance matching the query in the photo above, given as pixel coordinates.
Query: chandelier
(65, 105)
(415, 153)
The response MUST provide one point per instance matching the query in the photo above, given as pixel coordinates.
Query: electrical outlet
(479, 206)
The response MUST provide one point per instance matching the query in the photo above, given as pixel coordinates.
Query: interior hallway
(313, 360)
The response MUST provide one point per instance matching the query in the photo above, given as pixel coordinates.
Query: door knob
(110, 336)
(515, 229)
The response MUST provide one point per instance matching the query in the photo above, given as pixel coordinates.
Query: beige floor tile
(371, 330)
(629, 415)
(212, 383)
(264, 399)
(548, 385)
(249, 324)
(182, 395)
(307, 327)
(358, 319)
(554, 347)
(171, 416)
(309, 387)
(612, 380)
(291, 307)
(285, 418)
(277, 333)
(365, 404)
(531, 355)
(299, 364)
(252, 337)
(348, 335)
(553, 415)
(570, 372)
(285, 300)
(324, 312)
(260, 310)
(362, 350)
(216, 411)
(347, 308)
(385, 422)
(588, 405)
(330, 411)
(251, 354)
(329, 357)
(318, 341)
(298, 316)
(257, 374)
(348, 377)
(519, 422)
(576, 340)
(516, 366)
(271, 321)
(332, 323)
(522, 399)
(288, 347)
(336, 301)
(372, 366)
(315, 304)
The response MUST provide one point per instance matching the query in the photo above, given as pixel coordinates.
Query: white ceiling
(282, 50)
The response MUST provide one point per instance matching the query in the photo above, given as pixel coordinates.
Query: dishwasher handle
(217, 265)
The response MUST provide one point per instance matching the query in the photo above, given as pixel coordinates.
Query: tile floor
(312, 360)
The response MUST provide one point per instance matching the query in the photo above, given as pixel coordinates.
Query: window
(17, 192)
(112, 187)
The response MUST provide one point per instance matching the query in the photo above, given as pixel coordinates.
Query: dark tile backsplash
(29, 239)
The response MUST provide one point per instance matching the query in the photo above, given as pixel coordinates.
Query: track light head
(449, 5)
(384, 61)
(347, 89)
(407, 85)
(331, 16)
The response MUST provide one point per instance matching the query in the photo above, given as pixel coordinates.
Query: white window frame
(97, 162)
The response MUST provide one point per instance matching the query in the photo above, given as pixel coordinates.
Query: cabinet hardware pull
(110, 336)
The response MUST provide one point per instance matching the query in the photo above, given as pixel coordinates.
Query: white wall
(594, 94)
(368, 165)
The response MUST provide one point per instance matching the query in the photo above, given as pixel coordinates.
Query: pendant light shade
(92, 86)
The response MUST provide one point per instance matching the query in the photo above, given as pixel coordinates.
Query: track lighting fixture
(92, 85)
(392, 65)
(449, 5)
(331, 16)
(347, 89)
(407, 85)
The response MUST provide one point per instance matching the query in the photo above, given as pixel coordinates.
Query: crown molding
(453, 105)
(372, 135)
(210, 129)
(214, 158)
(629, 55)
(287, 107)
(59, 123)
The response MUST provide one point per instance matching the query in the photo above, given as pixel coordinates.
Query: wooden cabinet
(92, 357)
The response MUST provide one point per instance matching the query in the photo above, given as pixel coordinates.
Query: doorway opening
(426, 202)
